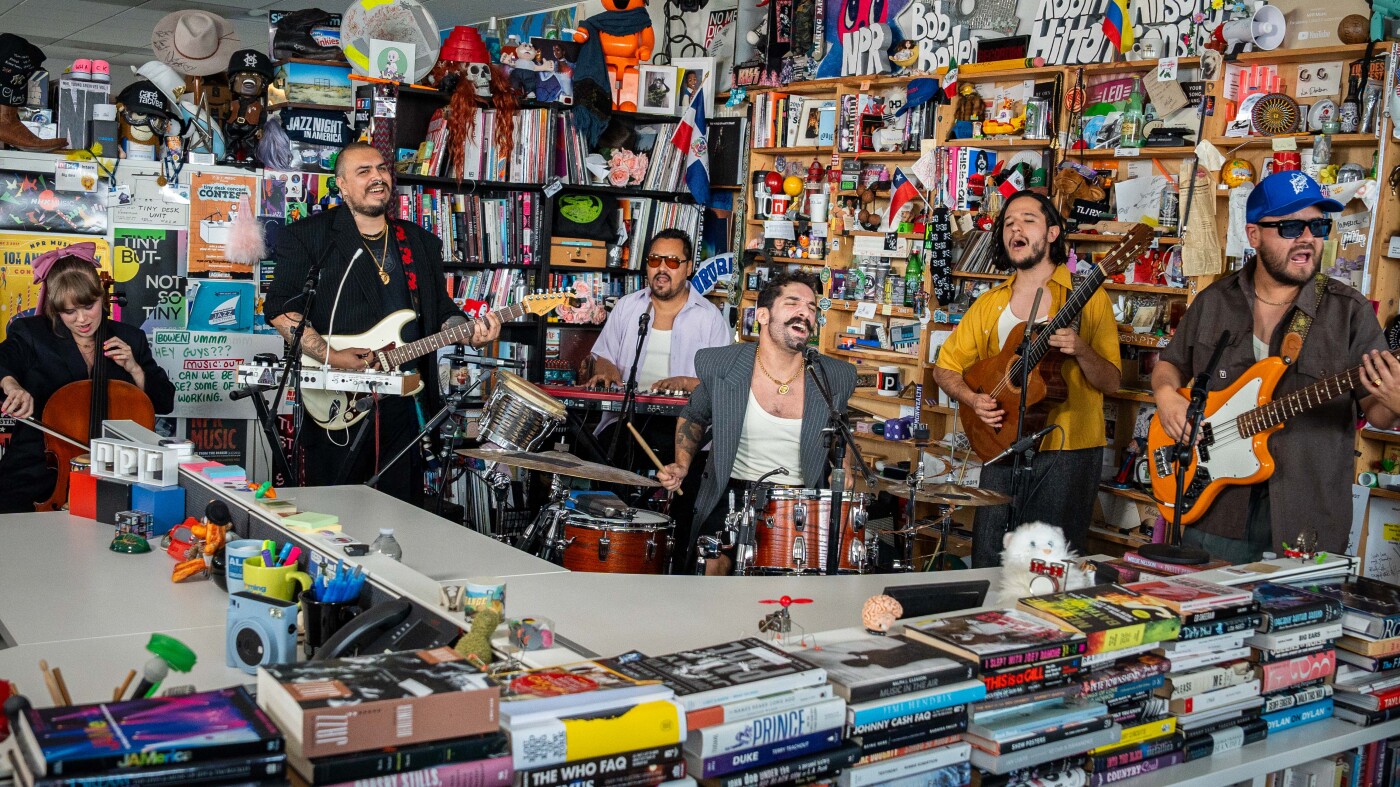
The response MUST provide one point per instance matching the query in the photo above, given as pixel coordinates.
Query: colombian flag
(1117, 26)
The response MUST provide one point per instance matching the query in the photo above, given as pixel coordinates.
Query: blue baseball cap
(1283, 193)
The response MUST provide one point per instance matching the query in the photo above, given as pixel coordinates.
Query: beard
(785, 338)
(1034, 251)
(368, 207)
(670, 289)
(1282, 271)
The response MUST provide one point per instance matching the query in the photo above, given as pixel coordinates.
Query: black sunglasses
(1292, 228)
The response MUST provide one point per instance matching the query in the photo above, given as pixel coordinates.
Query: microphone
(642, 323)
(811, 355)
(155, 671)
(362, 404)
(1025, 443)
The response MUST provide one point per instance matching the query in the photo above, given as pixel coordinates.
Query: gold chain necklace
(377, 235)
(383, 274)
(783, 385)
(1271, 303)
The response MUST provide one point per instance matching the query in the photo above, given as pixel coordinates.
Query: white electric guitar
(1234, 436)
(334, 410)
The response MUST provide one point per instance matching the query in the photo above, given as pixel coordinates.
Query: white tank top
(656, 364)
(766, 443)
(1005, 323)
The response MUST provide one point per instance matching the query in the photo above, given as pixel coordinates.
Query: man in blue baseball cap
(1277, 300)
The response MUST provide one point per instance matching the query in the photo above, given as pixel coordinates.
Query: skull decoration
(480, 76)
(463, 55)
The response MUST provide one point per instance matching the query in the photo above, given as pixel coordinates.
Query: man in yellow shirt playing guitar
(1265, 473)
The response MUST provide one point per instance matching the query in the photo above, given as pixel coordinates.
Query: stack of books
(1368, 651)
(416, 717)
(1293, 654)
(908, 706)
(1135, 568)
(1031, 713)
(586, 721)
(163, 740)
(754, 714)
(1209, 677)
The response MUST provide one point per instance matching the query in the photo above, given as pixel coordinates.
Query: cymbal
(946, 494)
(557, 462)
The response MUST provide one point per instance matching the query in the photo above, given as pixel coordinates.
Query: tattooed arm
(690, 436)
(314, 345)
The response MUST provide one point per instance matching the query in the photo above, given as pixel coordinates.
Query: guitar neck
(458, 334)
(1074, 304)
(1267, 416)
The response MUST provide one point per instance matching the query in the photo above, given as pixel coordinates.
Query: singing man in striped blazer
(762, 410)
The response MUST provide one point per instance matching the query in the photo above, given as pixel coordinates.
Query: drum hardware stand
(915, 480)
(629, 393)
(546, 524)
(838, 439)
(450, 405)
(1172, 551)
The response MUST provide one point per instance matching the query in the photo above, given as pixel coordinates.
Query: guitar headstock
(543, 303)
(1135, 242)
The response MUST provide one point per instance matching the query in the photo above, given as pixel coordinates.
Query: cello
(79, 408)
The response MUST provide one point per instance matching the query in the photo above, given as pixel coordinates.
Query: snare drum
(791, 532)
(639, 544)
(519, 416)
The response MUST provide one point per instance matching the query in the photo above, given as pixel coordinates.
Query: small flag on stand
(690, 137)
(901, 191)
(1118, 25)
(950, 81)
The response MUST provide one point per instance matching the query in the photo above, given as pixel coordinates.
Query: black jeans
(1062, 492)
(1258, 534)
(397, 421)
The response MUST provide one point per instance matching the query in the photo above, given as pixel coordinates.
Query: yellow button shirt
(1081, 415)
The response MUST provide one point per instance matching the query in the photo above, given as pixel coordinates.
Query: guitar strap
(1301, 323)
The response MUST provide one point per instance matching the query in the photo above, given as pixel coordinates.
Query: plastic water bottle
(386, 544)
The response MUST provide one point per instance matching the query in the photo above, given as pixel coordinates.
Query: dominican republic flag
(690, 138)
(1117, 26)
(950, 81)
(901, 191)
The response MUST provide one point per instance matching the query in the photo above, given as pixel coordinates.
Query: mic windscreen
(361, 405)
(217, 512)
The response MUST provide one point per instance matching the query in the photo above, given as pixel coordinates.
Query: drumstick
(650, 453)
(62, 687)
(49, 682)
(126, 684)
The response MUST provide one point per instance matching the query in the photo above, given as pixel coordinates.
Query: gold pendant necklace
(783, 385)
(383, 274)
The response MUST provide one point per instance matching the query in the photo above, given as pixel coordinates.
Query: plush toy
(475, 645)
(249, 74)
(1072, 184)
(624, 33)
(969, 104)
(1046, 545)
(524, 65)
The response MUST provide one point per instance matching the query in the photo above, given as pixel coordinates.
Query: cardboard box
(577, 253)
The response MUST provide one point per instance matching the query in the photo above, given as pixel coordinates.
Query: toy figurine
(969, 105)
(779, 622)
(249, 74)
(143, 116)
(622, 34)
(1036, 560)
(475, 645)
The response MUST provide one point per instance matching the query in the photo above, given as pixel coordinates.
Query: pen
(282, 556)
(292, 556)
(267, 559)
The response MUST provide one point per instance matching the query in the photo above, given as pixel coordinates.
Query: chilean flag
(901, 191)
(690, 138)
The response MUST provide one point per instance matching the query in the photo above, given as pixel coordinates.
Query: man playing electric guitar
(1279, 293)
(1029, 237)
(399, 267)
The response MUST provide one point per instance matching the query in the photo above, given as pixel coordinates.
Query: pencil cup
(280, 583)
(323, 619)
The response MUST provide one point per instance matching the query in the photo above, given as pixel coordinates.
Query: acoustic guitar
(334, 410)
(999, 375)
(1233, 449)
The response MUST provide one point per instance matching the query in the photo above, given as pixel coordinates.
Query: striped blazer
(721, 400)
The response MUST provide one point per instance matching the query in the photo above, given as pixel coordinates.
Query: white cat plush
(1035, 541)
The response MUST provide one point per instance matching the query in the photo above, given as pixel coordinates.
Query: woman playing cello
(58, 346)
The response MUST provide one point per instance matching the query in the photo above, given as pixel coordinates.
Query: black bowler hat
(250, 60)
(18, 59)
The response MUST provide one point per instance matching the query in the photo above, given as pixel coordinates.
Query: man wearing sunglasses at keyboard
(1283, 291)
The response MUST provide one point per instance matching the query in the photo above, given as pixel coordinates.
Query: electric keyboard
(395, 383)
(579, 397)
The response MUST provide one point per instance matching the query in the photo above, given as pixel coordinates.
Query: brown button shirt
(1314, 453)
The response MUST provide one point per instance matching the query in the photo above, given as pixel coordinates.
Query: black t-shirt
(396, 295)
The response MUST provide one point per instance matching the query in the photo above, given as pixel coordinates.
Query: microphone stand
(291, 358)
(838, 439)
(1184, 451)
(450, 404)
(1022, 461)
(629, 392)
(267, 421)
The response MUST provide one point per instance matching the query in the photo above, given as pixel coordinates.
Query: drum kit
(776, 530)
